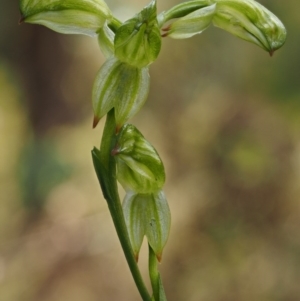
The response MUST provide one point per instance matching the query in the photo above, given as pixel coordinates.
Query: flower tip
(118, 128)
(159, 257)
(136, 256)
(166, 31)
(21, 20)
(115, 151)
(95, 121)
(166, 28)
(271, 52)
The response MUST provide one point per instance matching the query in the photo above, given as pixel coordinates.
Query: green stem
(105, 168)
(154, 274)
(114, 24)
(156, 283)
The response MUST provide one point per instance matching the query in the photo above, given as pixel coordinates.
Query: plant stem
(105, 168)
(114, 24)
(154, 274)
(156, 283)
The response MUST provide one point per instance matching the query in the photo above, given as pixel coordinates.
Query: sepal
(67, 16)
(181, 10)
(138, 40)
(133, 210)
(158, 222)
(106, 41)
(191, 24)
(139, 167)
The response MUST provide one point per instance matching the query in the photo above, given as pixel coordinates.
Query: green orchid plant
(120, 90)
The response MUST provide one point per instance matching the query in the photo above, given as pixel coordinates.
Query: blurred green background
(225, 118)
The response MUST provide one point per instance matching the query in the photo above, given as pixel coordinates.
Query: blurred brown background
(225, 118)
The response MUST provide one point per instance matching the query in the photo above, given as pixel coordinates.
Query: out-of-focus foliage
(225, 118)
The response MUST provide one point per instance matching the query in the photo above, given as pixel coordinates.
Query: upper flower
(66, 16)
(138, 40)
(246, 19)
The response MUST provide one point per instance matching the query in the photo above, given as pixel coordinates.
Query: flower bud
(191, 24)
(249, 20)
(120, 86)
(67, 16)
(138, 40)
(139, 167)
(147, 214)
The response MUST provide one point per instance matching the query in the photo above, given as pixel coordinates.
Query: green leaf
(66, 16)
(249, 20)
(120, 86)
(138, 40)
(147, 214)
(139, 167)
(191, 24)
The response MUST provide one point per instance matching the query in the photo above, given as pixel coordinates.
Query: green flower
(138, 40)
(66, 16)
(246, 19)
(120, 86)
(139, 167)
(250, 21)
